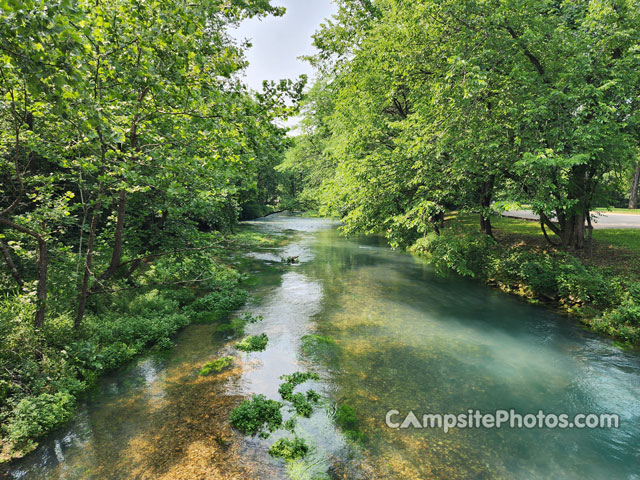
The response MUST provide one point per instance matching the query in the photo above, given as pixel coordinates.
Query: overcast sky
(278, 41)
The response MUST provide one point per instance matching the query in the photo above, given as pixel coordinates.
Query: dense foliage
(128, 144)
(608, 303)
(476, 105)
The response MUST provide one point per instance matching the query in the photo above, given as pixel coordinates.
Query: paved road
(602, 219)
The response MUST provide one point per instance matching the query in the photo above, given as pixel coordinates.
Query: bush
(42, 371)
(622, 322)
(217, 304)
(579, 284)
(466, 253)
(634, 292)
(34, 416)
(539, 272)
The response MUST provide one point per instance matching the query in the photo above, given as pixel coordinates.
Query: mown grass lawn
(618, 249)
(630, 211)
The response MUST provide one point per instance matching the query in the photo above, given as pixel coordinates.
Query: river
(401, 338)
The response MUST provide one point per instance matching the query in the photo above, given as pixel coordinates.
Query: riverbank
(600, 288)
(45, 371)
(382, 331)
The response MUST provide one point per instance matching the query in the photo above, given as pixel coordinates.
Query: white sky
(278, 41)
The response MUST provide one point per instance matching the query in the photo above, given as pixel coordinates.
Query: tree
(464, 103)
(125, 128)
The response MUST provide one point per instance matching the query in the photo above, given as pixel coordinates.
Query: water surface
(403, 338)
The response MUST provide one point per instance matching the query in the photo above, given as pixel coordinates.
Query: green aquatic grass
(289, 449)
(216, 366)
(318, 345)
(235, 327)
(253, 343)
(345, 418)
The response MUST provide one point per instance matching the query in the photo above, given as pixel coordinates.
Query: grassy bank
(601, 288)
(43, 372)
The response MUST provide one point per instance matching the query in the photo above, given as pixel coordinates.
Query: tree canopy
(124, 129)
(471, 105)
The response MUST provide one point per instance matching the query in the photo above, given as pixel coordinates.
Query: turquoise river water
(400, 337)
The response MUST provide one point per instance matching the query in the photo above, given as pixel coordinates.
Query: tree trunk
(633, 198)
(41, 293)
(116, 256)
(42, 266)
(84, 290)
(573, 233)
(486, 194)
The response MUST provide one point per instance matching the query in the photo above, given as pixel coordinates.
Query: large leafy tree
(124, 127)
(460, 104)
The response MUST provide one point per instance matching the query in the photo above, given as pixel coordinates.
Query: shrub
(634, 292)
(539, 273)
(216, 304)
(34, 416)
(622, 322)
(580, 284)
(466, 253)
(628, 315)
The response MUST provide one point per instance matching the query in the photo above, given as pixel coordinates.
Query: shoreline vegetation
(53, 367)
(123, 328)
(601, 288)
(484, 108)
(130, 147)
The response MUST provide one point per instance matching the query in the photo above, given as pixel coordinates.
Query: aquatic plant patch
(235, 327)
(262, 416)
(289, 449)
(253, 343)
(258, 416)
(216, 366)
(318, 345)
(345, 418)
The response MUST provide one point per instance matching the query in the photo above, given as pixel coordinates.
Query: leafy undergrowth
(44, 371)
(600, 296)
